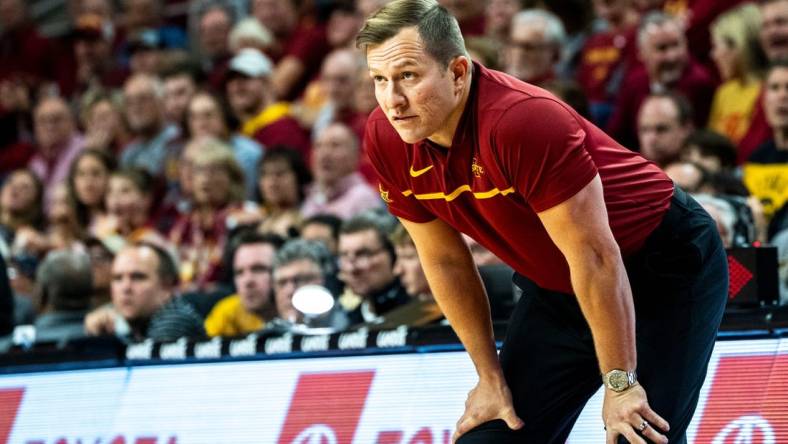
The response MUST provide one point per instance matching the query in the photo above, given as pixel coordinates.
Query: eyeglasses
(360, 257)
(298, 280)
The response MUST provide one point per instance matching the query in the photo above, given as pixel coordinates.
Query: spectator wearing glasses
(667, 67)
(534, 48)
(366, 267)
(298, 263)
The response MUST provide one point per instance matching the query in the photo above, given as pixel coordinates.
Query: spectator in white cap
(252, 99)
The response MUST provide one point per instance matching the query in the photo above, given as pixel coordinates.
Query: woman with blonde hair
(740, 62)
(201, 234)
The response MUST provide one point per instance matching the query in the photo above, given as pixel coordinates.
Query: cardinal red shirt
(517, 151)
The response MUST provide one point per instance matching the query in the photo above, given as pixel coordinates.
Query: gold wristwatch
(619, 380)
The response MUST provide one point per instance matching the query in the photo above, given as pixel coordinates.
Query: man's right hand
(489, 400)
(100, 321)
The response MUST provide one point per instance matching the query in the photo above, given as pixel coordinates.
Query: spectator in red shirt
(534, 47)
(666, 67)
(90, 63)
(251, 96)
(214, 24)
(774, 41)
(470, 14)
(23, 51)
(300, 45)
(607, 53)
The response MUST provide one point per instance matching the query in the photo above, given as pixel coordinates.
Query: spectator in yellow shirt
(740, 61)
(252, 305)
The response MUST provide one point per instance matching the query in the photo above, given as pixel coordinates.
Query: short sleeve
(542, 145)
(390, 184)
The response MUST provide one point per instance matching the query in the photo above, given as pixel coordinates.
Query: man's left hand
(628, 414)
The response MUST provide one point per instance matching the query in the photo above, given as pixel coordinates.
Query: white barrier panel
(385, 399)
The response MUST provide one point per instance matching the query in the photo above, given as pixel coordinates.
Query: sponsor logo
(315, 343)
(417, 173)
(210, 349)
(353, 340)
(317, 434)
(175, 350)
(392, 338)
(142, 350)
(326, 408)
(244, 347)
(746, 403)
(746, 430)
(283, 344)
(9, 407)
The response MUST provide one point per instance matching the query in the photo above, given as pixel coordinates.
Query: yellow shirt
(269, 115)
(230, 318)
(733, 107)
(769, 183)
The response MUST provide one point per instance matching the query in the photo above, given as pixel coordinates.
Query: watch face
(618, 380)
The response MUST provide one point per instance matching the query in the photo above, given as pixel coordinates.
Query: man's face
(214, 28)
(246, 95)
(774, 29)
(279, 16)
(252, 268)
(141, 13)
(125, 202)
(178, 91)
(205, 118)
(664, 52)
(338, 77)
(92, 52)
(290, 277)
(18, 193)
(775, 98)
(53, 123)
(529, 56)
(319, 232)
(409, 270)
(659, 130)
(611, 11)
(416, 93)
(142, 106)
(334, 155)
(137, 291)
(365, 265)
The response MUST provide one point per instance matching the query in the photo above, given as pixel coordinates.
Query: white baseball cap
(251, 63)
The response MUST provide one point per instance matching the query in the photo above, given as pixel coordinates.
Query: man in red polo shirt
(598, 236)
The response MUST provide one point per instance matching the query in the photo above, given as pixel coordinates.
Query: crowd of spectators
(181, 171)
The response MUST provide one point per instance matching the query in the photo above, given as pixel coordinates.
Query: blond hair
(211, 151)
(739, 28)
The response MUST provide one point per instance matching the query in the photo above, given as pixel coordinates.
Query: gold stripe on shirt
(454, 194)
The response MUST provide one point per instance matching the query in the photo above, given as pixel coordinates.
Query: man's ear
(460, 68)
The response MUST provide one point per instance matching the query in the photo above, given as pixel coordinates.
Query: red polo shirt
(517, 151)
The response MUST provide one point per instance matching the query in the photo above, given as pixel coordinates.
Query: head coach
(624, 275)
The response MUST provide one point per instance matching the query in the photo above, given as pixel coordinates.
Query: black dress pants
(679, 281)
